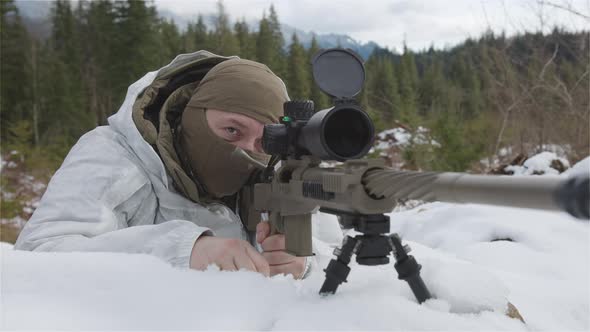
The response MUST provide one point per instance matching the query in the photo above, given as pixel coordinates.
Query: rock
(512, 312)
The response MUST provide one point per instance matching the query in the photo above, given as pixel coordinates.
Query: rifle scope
(341, 132)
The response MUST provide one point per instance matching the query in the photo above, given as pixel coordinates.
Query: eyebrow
(236, 123)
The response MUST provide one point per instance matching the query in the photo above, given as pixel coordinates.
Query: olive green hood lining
(158, 130)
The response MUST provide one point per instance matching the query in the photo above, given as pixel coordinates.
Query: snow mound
(539, 164)
(474, 260)
(581, 167)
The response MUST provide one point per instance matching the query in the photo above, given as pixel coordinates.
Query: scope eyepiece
(274, 139)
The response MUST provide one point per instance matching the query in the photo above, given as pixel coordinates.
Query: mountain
(328, 40)
(33, 9)
(324, 40)
(36, 16)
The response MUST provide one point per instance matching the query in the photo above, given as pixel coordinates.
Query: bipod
(373, 247)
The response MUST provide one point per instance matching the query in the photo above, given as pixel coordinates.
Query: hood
(149, 93)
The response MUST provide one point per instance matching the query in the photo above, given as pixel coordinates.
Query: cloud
(419, 22)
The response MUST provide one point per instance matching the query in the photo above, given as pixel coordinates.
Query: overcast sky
(388, 22)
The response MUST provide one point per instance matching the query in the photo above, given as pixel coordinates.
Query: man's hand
(228, 254)
(274, 253)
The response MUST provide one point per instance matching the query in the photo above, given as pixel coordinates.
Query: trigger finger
(262, 231)
(274, 242)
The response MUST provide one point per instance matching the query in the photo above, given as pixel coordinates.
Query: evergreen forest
(495, 91)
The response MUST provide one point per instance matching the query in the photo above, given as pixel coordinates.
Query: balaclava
(238, 86)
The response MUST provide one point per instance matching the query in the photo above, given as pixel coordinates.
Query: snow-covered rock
(539, 164)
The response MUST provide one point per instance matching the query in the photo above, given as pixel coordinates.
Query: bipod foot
(337, 270)
(408, 269)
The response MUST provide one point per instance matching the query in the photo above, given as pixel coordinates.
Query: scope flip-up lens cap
(338, 72)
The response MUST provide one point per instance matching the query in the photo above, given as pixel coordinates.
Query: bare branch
(550, 61)
(567, 8)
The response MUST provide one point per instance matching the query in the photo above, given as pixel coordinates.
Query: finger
(262, 231)
(259, 262)
(243, 261)
(227, 264)
(273, 242)
(278, 257)
(292, 268)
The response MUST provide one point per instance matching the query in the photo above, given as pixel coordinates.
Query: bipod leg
(408, 269)
(338, 269)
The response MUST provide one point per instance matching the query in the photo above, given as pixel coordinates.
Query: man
(164, 176)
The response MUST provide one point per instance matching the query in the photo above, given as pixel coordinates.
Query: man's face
(236, 129)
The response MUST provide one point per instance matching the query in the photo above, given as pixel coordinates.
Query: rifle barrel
(547, 192)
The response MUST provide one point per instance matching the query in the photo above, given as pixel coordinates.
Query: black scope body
(339, 133)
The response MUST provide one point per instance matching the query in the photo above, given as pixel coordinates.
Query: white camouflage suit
(112, 194)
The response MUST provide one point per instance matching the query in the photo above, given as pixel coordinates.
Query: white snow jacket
(112, 193)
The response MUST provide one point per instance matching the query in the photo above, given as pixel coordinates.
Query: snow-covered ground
(474, 260)
(544, 272)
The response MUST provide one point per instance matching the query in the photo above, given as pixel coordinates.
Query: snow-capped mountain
(36, 15)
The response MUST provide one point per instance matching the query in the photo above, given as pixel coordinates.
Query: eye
(232, 132)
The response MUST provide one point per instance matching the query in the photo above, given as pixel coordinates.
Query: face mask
(219, 167)
(237, 86)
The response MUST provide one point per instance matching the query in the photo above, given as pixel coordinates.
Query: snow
(544, 273)
(401, 137)
(538, 164)
(583, 166)
(21, 189)
(561, 150)
(505, 152)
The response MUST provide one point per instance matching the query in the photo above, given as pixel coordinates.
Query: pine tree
(201, 40)
(98, 65)
(463, 73)
(196, 37)
(137, 48)
(188, 43)
(431, 87)
(298, 80)
(246, 41)
(66, 97)
(65, 33)
(264, 42)
(270, 44)
(278, 42)
(170, 41)
(382, 91)
(320, 99)
(408, 84)
(224, 40)
(14, 51)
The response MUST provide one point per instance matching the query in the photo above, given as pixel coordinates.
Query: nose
(254, 142)
(258, 145)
